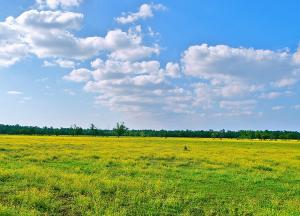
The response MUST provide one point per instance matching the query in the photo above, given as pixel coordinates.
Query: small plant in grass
(186, 148)
(264, 168)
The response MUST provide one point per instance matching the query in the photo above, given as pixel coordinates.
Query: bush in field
(186, 148)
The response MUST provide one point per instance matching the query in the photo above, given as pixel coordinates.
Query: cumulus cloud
(145, 11)
(237, 108)
(139, 86)
(79, 75)
(63, 63)
(46, 20)
(54, 4)
(173, 69)
(7, 32)
(212, 78)
(48, 34)
(128, 45)
(45, 34)
(48, 64)
(12, 53)
(243, 73)
(222, 62)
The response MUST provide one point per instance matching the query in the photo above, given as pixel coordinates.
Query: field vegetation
(43, 175)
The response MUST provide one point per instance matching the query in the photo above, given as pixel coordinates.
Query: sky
(166, 64)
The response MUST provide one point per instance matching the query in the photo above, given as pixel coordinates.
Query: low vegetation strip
(65, 175)
(122, 130)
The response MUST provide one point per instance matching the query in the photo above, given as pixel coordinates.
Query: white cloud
(60, 44)
(54, 4)
(244, 105)
(128, 45)
(48, 64)
(61, 63)
(65, 63)
(47, 34)
(79, 75)
(69, 92)
(22, 99)
(14, 93)
(141, 87)
(236, 114)
(112, 69)
(238, 73)
(173, 69)
(45, 20)
(225, 63)
(153, 33)
(134, 73)
(7, 32)
(11, 53)
(277, 108)
(133, 54)
(145, 11)
(136, 85)
(297, 107)
(285, 82)
(25, 99)
(270, 95)
(42, 80)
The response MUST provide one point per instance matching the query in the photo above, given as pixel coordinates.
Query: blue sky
(153, 64)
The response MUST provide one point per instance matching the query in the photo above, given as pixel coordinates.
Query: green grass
(148, 176)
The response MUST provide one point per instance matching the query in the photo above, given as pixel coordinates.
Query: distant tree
(120, 129)
(76, 130)
(79, 131)
(214, 134)
(222, 134)
(73, 129)
(93, 129)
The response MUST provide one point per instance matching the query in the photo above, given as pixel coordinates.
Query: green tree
(120, 129)
(93, 129)
(76, 130)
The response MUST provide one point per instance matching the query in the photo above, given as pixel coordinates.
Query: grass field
(148, 176)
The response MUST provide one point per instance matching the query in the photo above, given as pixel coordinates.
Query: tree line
(122, 130)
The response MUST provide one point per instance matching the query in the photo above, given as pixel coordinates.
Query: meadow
(43, 175)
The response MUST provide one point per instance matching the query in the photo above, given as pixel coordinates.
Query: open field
(148, 176)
